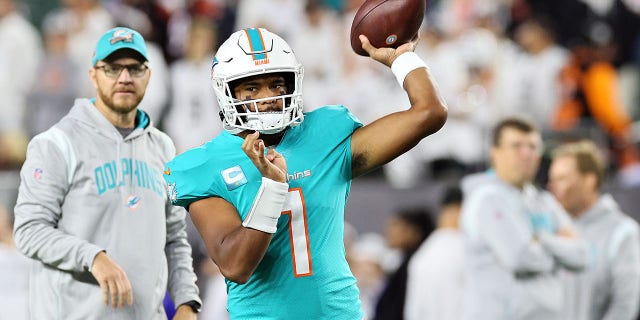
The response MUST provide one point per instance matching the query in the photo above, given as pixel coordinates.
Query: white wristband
(404, 64)
(267, 206)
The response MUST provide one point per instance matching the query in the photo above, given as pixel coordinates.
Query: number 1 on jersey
(295, 207)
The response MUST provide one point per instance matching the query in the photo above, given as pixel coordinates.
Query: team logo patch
(37, 173)
(172, 193)
(133, 202)
(233, 177)
(121, 35)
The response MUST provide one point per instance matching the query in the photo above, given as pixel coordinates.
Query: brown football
(387, 23)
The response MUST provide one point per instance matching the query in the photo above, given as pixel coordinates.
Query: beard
(120, 105)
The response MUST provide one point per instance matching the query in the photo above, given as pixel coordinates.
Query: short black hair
(420, 218)
(452, 195)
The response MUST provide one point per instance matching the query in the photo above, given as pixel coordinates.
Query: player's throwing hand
(386, 56)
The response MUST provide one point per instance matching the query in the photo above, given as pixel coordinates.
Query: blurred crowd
(570, 66)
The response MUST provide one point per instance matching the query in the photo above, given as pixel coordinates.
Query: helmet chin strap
(273, 131)
(268, 123)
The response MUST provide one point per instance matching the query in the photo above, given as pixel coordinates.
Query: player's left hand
(386, 56)
(185, 312)
(272, 165)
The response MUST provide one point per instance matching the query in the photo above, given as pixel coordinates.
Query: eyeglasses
(113, 70)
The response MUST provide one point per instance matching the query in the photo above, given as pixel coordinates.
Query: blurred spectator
(405, 232)
(20, 54)
(221, 12)
(516, 236)
(214, 303)
(567, 16)
(87, 20)
(466, 58)
(192, 118)
(535, 75)
(14, 278)
(624, 18)
(157, 13)
(57, 85)
(319, 25)
(457, 16)
(358, 78)
(157, 95)
(368, 260)
(609, 288)
(590, 99)
(465, 88)
(279, 16)
(435, 280)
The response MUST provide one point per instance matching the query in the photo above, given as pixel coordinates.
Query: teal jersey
(304, 273)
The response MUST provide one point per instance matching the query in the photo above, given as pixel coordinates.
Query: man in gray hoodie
(609, 287)
(92, 210)
(516, 236)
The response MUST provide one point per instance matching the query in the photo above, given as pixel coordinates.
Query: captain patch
(233, 177)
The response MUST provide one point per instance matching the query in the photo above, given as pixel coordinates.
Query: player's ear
(92, 77)
(591, 179)
(493, 155)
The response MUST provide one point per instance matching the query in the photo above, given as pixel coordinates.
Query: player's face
(567, 184)
(120, 84)
(517, 157)
(260, 87)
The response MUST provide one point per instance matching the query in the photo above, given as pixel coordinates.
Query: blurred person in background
(405, 232)
(14, 274)
(535, 89)
(464, 87)
(463, 46)
(92, 209)
(20, 55)
(214, 301)
(56, 87)
(280, 16)
(193, 103)
(319, 25)
(591, 100)
(87, 20)
(369, 259)
(516, 236)
(435, 277)
(609, 287)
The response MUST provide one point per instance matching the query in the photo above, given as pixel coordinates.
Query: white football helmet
(251, 52)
